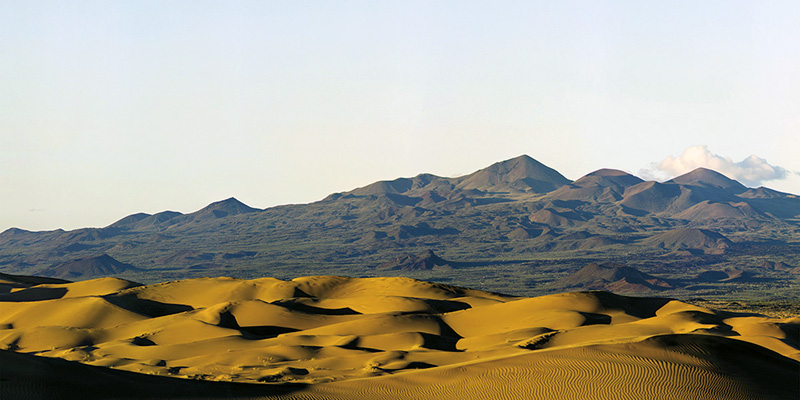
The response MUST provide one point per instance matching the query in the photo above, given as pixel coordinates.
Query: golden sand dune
(367, 338)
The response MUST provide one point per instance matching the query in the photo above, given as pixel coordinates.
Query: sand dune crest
(401, 338)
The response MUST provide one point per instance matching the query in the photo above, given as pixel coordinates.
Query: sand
(366, 338)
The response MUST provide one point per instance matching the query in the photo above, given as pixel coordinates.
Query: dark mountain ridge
(512, 212)
(520, 174)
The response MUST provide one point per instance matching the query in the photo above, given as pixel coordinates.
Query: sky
(108, 108)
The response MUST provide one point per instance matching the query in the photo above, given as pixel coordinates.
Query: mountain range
(517, 225)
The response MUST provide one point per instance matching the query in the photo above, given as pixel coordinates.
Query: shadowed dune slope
(672, 366)
(364, 338)
(29, 377)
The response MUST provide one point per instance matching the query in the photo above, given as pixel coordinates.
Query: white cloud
(751, 171)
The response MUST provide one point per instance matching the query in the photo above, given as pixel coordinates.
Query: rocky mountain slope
(517, 218)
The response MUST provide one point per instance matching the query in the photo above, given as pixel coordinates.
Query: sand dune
(336, 337)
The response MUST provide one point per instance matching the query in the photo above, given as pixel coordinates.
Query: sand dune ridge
(378, 337)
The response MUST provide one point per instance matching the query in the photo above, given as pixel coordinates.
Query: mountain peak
(707, 178)
(521, 173)
(609, 172)
(229, 206)
(608, 177)
(229, 203)
(522, 163)
(523, 158)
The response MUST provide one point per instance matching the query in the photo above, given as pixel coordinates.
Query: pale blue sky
(113, 107)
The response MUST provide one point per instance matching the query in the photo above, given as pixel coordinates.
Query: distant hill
(690, 240)
(88, 268)
(219, 209)
(708, 178)
(779, 265)
(424, 261)
(556, 218)
(604, 185)
(730, 275)
(517, 174)
(521, 174)
(612, 277)
(146, 221)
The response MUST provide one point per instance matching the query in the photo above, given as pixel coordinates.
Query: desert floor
(366, 338)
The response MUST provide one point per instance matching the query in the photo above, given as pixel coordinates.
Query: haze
(110, 108)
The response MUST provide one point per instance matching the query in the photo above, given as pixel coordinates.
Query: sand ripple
(338, 337)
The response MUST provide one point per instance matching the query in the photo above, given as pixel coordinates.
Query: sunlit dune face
(319, 330)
